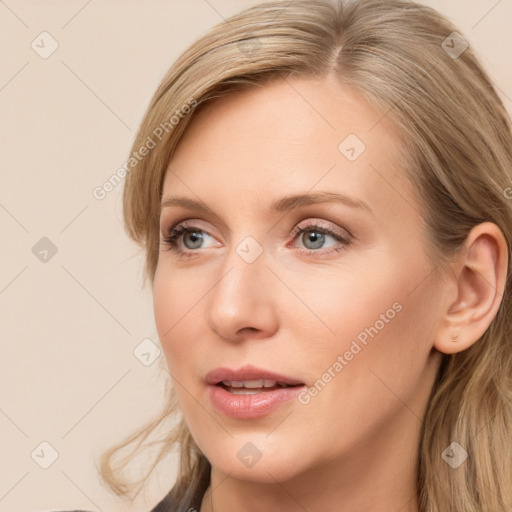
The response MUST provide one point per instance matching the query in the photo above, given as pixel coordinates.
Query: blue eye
(180, 231)
(315, 235)
(192, 238)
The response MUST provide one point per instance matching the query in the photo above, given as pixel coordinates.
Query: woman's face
(347, 306)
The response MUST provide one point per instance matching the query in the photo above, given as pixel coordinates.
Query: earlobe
(479, 281)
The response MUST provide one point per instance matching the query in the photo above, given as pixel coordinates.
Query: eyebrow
(283, 204)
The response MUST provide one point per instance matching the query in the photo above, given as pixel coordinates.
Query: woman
(323, 193)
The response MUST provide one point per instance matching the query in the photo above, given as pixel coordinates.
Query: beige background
(69, 326)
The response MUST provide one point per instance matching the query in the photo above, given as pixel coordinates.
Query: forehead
(289, 136)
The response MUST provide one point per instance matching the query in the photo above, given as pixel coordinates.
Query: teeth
(245, 391)
(250, 384)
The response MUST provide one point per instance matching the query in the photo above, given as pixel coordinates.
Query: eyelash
(170, 240)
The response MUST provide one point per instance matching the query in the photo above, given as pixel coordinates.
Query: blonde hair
(458, 138)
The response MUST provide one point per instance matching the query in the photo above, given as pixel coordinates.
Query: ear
(479, 279)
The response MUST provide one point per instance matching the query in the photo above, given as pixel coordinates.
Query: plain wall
(70, 324)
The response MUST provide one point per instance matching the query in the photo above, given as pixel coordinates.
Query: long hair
(416, 68)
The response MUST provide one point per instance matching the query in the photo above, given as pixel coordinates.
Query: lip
(248, 407)
(252, 406)
(248, 372)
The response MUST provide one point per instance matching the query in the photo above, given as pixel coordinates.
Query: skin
(352, 447)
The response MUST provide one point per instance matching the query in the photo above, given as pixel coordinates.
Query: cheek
(382, 300)
(178, 316)
(384, 326)
(353, 305)
(370, 313)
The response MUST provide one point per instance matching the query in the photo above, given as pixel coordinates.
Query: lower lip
(247, 407)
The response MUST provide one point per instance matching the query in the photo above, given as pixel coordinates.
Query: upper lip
(245, 373)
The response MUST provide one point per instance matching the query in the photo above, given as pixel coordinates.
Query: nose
(242, 303)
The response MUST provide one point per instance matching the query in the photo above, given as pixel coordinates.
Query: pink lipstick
(250, 392)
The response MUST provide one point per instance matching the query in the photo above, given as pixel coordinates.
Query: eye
(313, 236)
(192, 237)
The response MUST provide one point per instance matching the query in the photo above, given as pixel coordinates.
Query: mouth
(249, 393)
(253, 387)
(250, 377)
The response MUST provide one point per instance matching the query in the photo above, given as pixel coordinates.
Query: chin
(257, 459)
